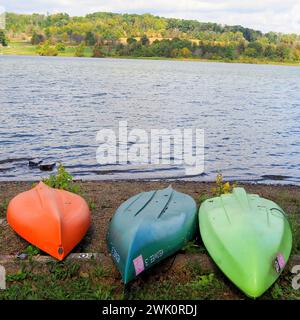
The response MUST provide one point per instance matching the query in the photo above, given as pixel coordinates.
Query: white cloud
(265, 15)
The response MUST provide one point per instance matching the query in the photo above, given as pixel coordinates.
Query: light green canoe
(248, 237)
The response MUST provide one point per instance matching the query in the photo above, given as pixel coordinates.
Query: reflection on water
(52, 108)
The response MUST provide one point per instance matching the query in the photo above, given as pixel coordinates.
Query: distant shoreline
(29, 50)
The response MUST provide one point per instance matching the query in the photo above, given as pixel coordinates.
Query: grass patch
(71, 280)
(201, 288)
(70, 52)
(282, 289)
(194, 268)
(193, 247)
(26, 48)
(294, 220)
(40, 287)
(19, 48)
(3, 208)
(62, 280)
(101, 271)
(91, 204)
(31, 251)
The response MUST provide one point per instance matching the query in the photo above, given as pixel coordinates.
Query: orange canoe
(53, 220)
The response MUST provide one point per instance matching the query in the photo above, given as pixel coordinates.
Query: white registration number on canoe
(115, 254)
(154, 257)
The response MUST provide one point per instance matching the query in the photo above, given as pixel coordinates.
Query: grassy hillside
(131, 35)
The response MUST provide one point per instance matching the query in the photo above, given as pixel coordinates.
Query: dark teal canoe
(149, 227)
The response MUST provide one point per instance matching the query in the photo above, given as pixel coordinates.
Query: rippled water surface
(52, 108)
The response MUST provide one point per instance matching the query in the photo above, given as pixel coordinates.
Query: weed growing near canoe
(91, 204)
(66, 281)
(40, 287)
(18, 276)
(63, 270)
(104, 292)
(276, 292)
(3, 208)
(194, 268)
(222, 187)
(101, 271)
(65, 181)
(203, 198)
(202, 281)
(294, 220)
(31, 251)
(203, 287)
(62, 180)
(193, 247)
(207, 287)
(282, 289)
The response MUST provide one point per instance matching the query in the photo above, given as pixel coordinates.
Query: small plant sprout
(62, 180)
(222, 187)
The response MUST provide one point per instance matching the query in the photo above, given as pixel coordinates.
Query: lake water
(52, 108)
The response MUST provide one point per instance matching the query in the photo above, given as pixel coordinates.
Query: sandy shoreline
(105, 197)
(174, 278)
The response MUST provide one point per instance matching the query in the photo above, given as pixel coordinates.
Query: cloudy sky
(265, 15)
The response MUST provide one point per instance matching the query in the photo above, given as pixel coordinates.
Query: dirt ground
(106, 197)
(101, 282)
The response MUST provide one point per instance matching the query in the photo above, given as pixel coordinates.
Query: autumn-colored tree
(185, 52)
(175, 37)
(79, 52)
(37, 38)
(98, 51)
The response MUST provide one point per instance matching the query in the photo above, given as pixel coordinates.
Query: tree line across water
(109, 34)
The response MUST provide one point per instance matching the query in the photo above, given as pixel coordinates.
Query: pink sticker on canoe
(281, 260)
(138, 265)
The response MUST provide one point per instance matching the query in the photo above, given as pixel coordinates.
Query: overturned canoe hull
(149, 227)
(248, 237)
(53, 220)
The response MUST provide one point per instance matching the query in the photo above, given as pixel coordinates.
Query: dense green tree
(254, 49)
(230, 52)
(251, 35)
(282, 52)
(107, 34)
(131, 41)
(98, 50)
(90, 38)
(144, 40)
(185, 52)
(3, 39)
(79, 52)
(270, 52)
(37, 38)
(46, 49)
(273, 37)
(61, 47)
